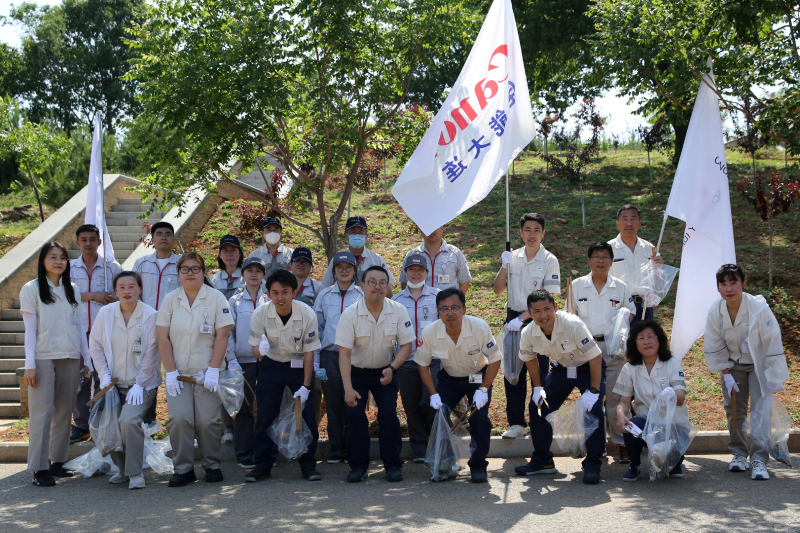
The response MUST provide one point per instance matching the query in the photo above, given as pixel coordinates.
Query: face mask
(416, 285)
(357, 241)
(272, 238)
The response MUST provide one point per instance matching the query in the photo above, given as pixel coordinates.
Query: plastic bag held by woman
(572, 425)
(231, 390)
(769, 426)
(283, 431)
(447, 454)
(104, 423)
(667, 437)
(617, 334)
(511, 363)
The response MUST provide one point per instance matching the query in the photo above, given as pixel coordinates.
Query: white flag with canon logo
(483, 125)
(700, 197)
(95, 196)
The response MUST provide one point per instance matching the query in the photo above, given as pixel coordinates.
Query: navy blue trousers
(244, 424)
(451, 390)
(516, 394)
(635, 445)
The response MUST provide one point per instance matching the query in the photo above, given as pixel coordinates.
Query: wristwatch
(484, 389)
(593, 390)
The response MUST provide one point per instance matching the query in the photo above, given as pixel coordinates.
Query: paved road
(708, 499)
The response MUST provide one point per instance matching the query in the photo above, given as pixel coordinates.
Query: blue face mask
(322, 375)
(357, 241)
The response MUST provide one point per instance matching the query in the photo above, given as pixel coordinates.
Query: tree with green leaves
(310, 84)
(656, 137)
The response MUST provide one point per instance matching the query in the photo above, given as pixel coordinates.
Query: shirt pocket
(583, 309)
(440, 354)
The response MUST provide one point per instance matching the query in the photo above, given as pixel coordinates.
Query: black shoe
(79, 435)
(356, 475)
(247, 464)
(394, 474)
(42, 478)
(181, 480)
(624, 458)
(311, 474)
(256, 475)
(419, 458)
(478, 475)
(591, 474)
(58, 470)
(335, 459)
(213, 476)
(532, 469)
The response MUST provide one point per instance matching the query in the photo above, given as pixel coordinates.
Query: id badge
(572, 372)
(443, 278)
(297, 363)
(137, 347)
(206, 328)
(76, 319)
(476, 378)
(745, 347)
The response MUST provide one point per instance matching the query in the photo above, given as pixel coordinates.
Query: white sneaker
(137, 482)
(515, 432)
(738, 463)
(116, 479)
(759, 471)
(227, 438)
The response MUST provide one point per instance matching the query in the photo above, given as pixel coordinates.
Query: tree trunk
(770, 253)
(36, 192)
(583, 209)
(650, 167)
(680, 136)
(754, 163)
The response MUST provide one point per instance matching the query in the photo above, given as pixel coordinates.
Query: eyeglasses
(601, 258)
(375, 283)
(193, 270)
(649, 338)
(446, 310)
(160, 235)
(301, 262)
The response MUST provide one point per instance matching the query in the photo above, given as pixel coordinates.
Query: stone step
(16, 303)
(11, 314)
(133, 201)
(130, 208)
(9, 394)
(12, 339)
(9, 379)
(130, 222)
(12, 327)
(122, 215)
(9, 410)
(123, 228)
(127, 237)
(117, 245)
(12, 352)
(11, 365)
(119, 254)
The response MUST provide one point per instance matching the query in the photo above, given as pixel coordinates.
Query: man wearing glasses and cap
(356, 232)
(274, 253)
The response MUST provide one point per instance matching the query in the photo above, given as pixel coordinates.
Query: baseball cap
(271, 220)
(255, 261)
(230, 239)
(416, 259)
(355, 221)
(302, 253)
(344, 257)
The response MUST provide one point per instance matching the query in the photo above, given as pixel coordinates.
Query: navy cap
(255, 261)
(415, 259)
(230, 239)
(344, 257)
(302, 253)
(271, 220)
(355, 221)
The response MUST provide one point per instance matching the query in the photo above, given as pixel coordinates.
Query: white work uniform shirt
(191, 349)
(447, 267)
(422, 311)
(286, 342)
(278, 261)
(100, 279)
(368, 259)
(242, 308)
(570, 344)
(58, 324)
(541, 272)
(597, 310)
(374, 343)
(627, 263)
(157, 282)
(329, 306)
(644, 387)
(226, 284)
(475, 349)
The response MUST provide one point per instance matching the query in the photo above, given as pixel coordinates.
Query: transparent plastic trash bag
(511, 363)
(283, 430)
(155, 455)
(654, 282)
(617, 334)
(667, 436)
(231, 390)
(104, 422)
(91, 464)
(768, 426)
(447, 454)
(572, 425)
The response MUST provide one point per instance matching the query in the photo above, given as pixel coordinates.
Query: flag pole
(106, 236)
(661, 235)
(508, 248)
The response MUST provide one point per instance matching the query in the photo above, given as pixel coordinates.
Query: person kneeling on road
(470, 359)
(577, 363)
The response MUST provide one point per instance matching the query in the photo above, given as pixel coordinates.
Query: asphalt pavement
(709, 498)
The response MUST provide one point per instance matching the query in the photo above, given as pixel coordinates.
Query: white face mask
(416, 285)
(272, 238)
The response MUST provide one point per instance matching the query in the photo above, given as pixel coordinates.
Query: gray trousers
(51, 404)
(130, 461)
(613, 368)
(749, 389)
(194, 412)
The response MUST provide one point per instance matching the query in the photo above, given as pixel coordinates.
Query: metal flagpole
(106, 236)
(660, 235)
(508, 248)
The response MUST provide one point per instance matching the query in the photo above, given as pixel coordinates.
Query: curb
(706, 442)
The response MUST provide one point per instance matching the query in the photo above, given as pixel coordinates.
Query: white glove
(587, 400)
(436, 401)
(105, 381)
(134, 396)
(539, 395)
(263, 348)
(480, 398)
(665, 393)
(730, 383)
(514, 325)
(233, 364)
(775, 387)
(302, 392)
(211, 380)
(173, 385)
(625, 312)
(506, 258)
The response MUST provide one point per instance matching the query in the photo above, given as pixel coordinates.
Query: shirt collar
(443, 248)
(223, 274)
(466, 331)
(361, 309)
(201, 295)
(173, 258)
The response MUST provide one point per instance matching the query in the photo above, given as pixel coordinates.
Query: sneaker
(181, 480)
(116, 479)
(356, 475)
(738, 463)
(79, 435)
(532, 469)
(335, 459)
(676, 472)
(591, 474)
(311, 474)
(515, 432)
(227, 438)
(759, 471)
(394, 474)
(247, 464)
(58, 470)
(137, 482)
(256, 475)
(632, 474)
(624, 458)
(419, 458)
(42, 478)
(478, 475)
(213, 476)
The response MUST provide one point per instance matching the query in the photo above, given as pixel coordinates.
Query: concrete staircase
(12, 356)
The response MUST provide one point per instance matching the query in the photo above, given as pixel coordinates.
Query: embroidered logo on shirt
(555, 276)
(490, 345)
(408, 324)
(226, 310)
(585, 341)
(630, 299)
(680, 374)
(312, 334)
